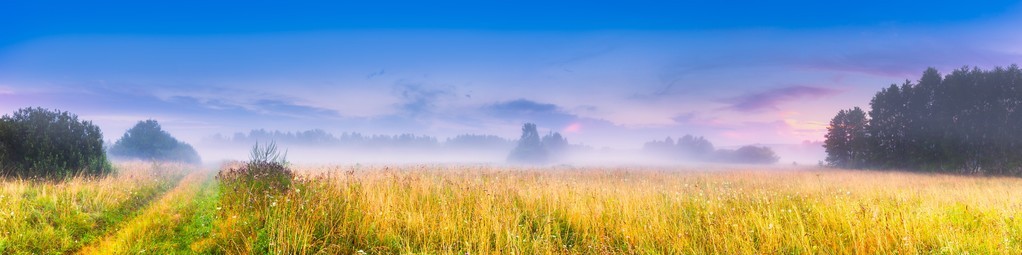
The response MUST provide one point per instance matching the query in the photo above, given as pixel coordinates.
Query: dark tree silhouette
(846, 138)
(147, 141)
(37, 142)
(530, 149)
(965, 122)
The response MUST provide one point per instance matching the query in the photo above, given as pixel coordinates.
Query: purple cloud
(770, 99)
(523, 106)
(417, 98)
(524, 110)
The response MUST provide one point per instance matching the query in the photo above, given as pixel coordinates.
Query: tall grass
(39, 217)
(481, 209)
(166, 226)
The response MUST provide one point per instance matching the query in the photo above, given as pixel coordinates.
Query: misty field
(506, 210)
(481, 209)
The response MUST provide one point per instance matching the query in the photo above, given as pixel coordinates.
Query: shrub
(247, 192)
(40, 143)
(266, 172)
(147, 141)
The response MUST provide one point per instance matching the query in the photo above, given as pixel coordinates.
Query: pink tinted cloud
(573, 127)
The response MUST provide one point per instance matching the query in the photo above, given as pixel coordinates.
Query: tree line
(697, 149)
(968, 121)
(319, 137)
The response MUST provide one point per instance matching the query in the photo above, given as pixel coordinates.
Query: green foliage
(147, 141)
(964, 122)
(40, 143)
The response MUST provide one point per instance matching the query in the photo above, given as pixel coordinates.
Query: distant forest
(318, 137)
(968, 121)
(697, 149)
(532, 148)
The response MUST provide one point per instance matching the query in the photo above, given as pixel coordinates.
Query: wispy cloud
(770, 99)
(419, 98)
(279, 107)
(524, 110)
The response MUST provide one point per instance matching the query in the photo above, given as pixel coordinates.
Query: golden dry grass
(39, 217)
(499, 210)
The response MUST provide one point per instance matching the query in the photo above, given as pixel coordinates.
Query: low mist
(383, 149)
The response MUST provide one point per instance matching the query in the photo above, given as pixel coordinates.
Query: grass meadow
(42, 217)
(484, 209)
(439, 209)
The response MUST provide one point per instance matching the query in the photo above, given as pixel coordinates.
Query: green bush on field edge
(43, 143)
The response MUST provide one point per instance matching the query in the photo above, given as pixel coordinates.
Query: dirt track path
(167, 226)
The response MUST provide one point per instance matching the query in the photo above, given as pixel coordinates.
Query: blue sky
(605, 73)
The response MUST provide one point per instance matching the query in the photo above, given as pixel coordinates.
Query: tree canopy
(147, 141)
(40, 143)
(967, 121)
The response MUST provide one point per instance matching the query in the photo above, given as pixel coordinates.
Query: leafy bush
(40, 143)
(147, 141)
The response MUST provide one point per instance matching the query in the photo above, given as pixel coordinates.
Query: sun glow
(573, 128)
